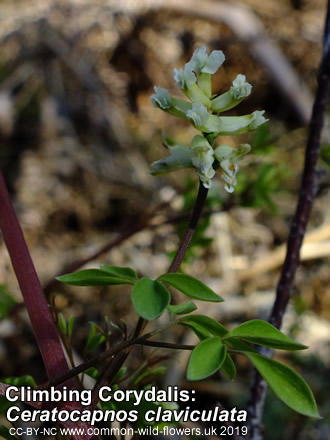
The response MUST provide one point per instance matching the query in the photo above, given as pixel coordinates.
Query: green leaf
(238, 345)
(94, 339)
(7, 302)
(229, 368)
(204, 327)
(286, 384)
(92, 277)
(182, 309)
(4, 406)
(199, 331)
(121, 373)
(204, 324)
(190, 286)
(120, 272)
(92, 372)
(61, 323)
(70, 325)
(206, 358)
(263, 333)
(325, 154)
(150, 298)
(20, 381)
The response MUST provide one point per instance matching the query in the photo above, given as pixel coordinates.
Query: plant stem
(188, 235)
(34, 298)
(110, 373)
(307, 193)
(167, 345)
(195, 216)
(103, 357)
(40, 316)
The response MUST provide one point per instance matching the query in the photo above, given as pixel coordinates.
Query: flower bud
(202, 157)
(163, 100)
(198, 115)
(230, 125)
(229, 159)
(239, 90)
(179, 158)
(202, 63)
(184, 78)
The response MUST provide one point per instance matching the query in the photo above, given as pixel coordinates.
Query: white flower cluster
(202, 111)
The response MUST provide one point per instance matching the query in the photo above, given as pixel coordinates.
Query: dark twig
(110, 372)
(195, 216)
(181, 252)
(167, 345)
(121, 347)
(298, 226)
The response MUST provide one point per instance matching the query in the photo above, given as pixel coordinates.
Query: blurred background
(77, 136)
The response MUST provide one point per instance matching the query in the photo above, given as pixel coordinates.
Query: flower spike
(202, 111)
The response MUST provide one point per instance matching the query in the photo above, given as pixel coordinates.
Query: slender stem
(181, 252)
(167, 345)
(34, 298)
(195, 216)
(103, 357)
(110, 372)
(40, 316)
(307, 193)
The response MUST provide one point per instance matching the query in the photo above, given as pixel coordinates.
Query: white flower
(198, 115)
(161, 98)
(203, 63)
(202, 157)
(184, 78)
(207, 177)
(229, 167)
(230, 170)
(225, 151)
(240, 88)
(229, 158)
(202, 110)
(257, 119)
